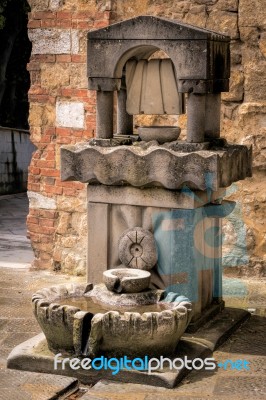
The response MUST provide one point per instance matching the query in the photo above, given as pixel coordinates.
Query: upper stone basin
(150, 164)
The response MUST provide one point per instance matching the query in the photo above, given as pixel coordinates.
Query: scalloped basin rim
(154, 165)
(69, 330)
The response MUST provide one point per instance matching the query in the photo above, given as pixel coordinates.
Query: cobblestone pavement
(17, 324)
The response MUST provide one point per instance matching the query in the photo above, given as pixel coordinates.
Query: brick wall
(62, 111)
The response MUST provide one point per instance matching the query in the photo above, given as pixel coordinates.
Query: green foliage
(2, 21)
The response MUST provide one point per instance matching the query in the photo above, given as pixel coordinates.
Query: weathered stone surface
(54, 41)
(236, 91)
(248, 53)
(41, 115)
(196, 15)
(226, 5)
(137, 249)
(186, 46)
(37, 200)
(115, 300)
(150, 197)
(70, 114)
(224, 22)
(125, 280)
(255, 81)
(152, 87)
(40, 5)
(57, 321)
(262, 44)
(55, 4)
(55, 75)
(161, 134)
(151, 333)
(252, 13)
(143, 167)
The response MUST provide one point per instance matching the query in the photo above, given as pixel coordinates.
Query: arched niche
(200, 57)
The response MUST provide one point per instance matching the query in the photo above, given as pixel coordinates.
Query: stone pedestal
(186, 227)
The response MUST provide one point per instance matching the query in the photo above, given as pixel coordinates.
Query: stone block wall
(62, 111)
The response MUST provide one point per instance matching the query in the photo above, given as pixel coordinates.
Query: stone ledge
(155, 166)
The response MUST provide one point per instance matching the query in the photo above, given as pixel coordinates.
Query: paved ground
(17, 325)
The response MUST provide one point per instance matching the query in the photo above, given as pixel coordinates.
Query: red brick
(67, 92)
(82, 15)
(74, 93)
(81, 92)
(32, 220)
(34, 170)
(48, 58)
(48, 180)
(84, 24)
(34, 24)
(33, 66)
(53, 189)
(39, 98)
(50, 171)
(48, 214)
(64, 15)
(64, 23)
(49, 130)
(79, 58)
(35, 187)
(43, 15)
(36, 89)
(65, 58)
(63, 131)
(48, 23)
(45, 164)
(42, 229)
(70, 192)
(50, 155)
(45, 139)
(100, 24)
(78, 134)
(47, 222)
(47, 239)
(64, 140)
(34, 237)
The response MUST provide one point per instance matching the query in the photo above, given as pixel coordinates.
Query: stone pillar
(104, 115)
(124, 120)
(212, 115)
(189, 259)
(195, 118)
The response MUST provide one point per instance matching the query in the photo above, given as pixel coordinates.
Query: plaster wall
(15, 155)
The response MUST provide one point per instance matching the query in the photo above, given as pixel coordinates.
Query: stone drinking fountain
(155, 206)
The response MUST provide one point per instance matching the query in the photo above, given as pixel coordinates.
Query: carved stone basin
(73, 327)
(126, 280)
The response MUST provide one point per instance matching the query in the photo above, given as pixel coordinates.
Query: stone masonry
(62, 111)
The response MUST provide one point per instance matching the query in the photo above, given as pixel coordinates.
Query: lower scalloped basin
(77, 325)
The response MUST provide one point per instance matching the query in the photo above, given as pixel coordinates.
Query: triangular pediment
(154, 28)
